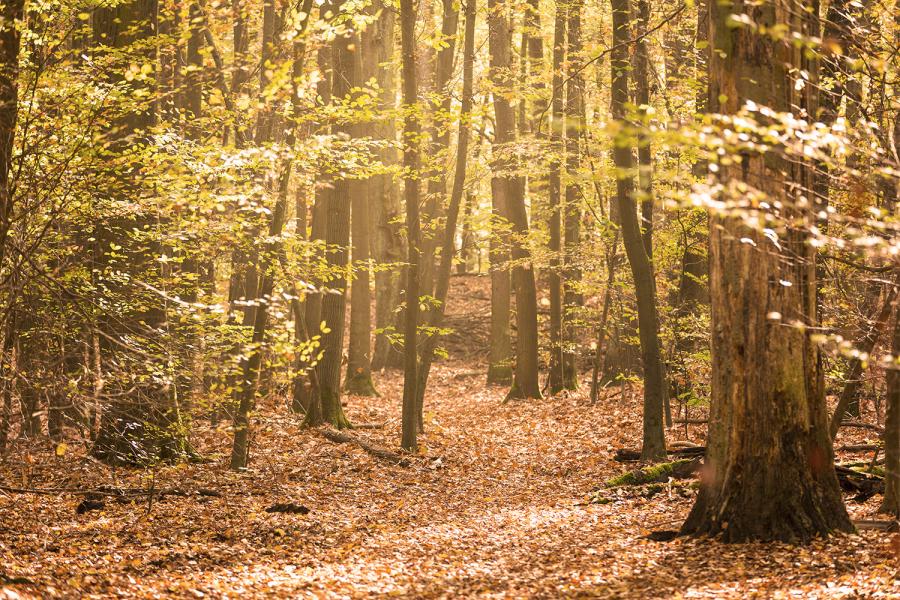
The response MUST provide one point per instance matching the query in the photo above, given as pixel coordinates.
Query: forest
(449, 298)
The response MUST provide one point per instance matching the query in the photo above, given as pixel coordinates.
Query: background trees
(188, 190)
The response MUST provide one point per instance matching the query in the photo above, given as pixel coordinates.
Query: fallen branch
(629, 455)
(114, 492)
(858, 448)
(376, 451)
(877, 525)
(862, 425)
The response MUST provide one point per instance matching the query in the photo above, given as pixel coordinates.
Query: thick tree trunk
(654, 445)
(770, 467)
(411, 193)
(142, 425)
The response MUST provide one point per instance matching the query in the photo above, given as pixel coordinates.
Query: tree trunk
(411, 193)
(305, 392)
(359, 367)
(770, 465)
(384, 208)
(557, 126)
(346, 77)
(642, 99)
(575, 123)
(891, 501)
(525, 378)
(654, 444)
(144, 424)
(10, 14)
(500, 357)
(459, 180)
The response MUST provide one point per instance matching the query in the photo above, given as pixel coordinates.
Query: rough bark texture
(770, 472)
(654, 446)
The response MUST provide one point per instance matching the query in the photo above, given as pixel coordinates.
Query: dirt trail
(493, 507)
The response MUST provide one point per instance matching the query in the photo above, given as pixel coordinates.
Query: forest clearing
(449, 298)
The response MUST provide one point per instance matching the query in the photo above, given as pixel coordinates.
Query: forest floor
(495, 505)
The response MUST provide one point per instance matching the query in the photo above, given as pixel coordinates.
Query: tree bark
(525, 377)
(411, 193)
(575, 124)
(384, 209)
(654, 443)
(456, 195)
(500, 357)
(557, 126)
(769, 459)
(891, 501)
(346, 67)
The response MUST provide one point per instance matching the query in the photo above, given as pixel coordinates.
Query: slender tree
(456, 196)
(500, 356)
(525, 377)
(557, 126)
(654, 444)
(411, 195)
(575, 121)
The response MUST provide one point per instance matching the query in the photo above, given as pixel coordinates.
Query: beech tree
(770, 458)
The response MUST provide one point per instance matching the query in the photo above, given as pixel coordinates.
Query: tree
(384, 207)
(346, 77)
(442, 286)
(557, 126)
(411, 195)
(575, 125)
(654, 443)
(500, 357)
(770, 462)
(511, 198)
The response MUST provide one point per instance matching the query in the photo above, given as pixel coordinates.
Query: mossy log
(658, 473)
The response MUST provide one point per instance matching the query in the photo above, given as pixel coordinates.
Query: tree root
(376, 451)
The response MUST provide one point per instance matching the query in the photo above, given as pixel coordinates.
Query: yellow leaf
(61, 448)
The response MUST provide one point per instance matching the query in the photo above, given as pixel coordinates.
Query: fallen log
(110, 491)
(864, 485)
(376, 451)
(629, 455)
(658, 473)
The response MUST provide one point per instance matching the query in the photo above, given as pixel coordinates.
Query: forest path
(492, 507)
